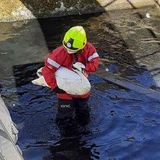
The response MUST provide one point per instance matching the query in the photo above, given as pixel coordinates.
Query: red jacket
(59, 57)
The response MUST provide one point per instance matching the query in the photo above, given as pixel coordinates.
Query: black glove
(58, 90)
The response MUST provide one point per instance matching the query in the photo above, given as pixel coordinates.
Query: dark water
(124, 125)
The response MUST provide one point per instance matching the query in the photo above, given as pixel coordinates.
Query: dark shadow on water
(25, 73)
(69, 149)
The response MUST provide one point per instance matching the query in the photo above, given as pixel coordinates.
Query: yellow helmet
(75, 39)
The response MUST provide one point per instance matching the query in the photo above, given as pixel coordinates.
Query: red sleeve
(49, 77)
(92, 59)
(52, 63)
(92, 65)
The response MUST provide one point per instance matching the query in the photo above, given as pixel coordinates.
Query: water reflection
(68, 149)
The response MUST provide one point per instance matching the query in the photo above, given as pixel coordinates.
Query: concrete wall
(14, 10)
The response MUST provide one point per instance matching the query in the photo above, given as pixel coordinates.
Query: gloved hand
(58, 90)
(78, 66)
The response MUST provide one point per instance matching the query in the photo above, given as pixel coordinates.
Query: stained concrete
(15, 10)
(141, 34)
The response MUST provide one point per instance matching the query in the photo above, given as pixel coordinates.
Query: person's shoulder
(90, 46)
(58, 51)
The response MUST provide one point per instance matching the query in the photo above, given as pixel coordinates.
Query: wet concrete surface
(124, 124)
(142, 37)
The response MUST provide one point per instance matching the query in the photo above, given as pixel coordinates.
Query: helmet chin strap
(71, 52)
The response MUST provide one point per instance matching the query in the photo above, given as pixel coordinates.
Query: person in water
(74, 51)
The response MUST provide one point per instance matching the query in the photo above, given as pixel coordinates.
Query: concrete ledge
(15, 10)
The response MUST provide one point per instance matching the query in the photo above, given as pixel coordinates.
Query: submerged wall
(14, 10)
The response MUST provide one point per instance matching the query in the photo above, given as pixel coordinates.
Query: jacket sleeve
(49, 70)
(92, 61)
(92, 65)
(49, 77)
